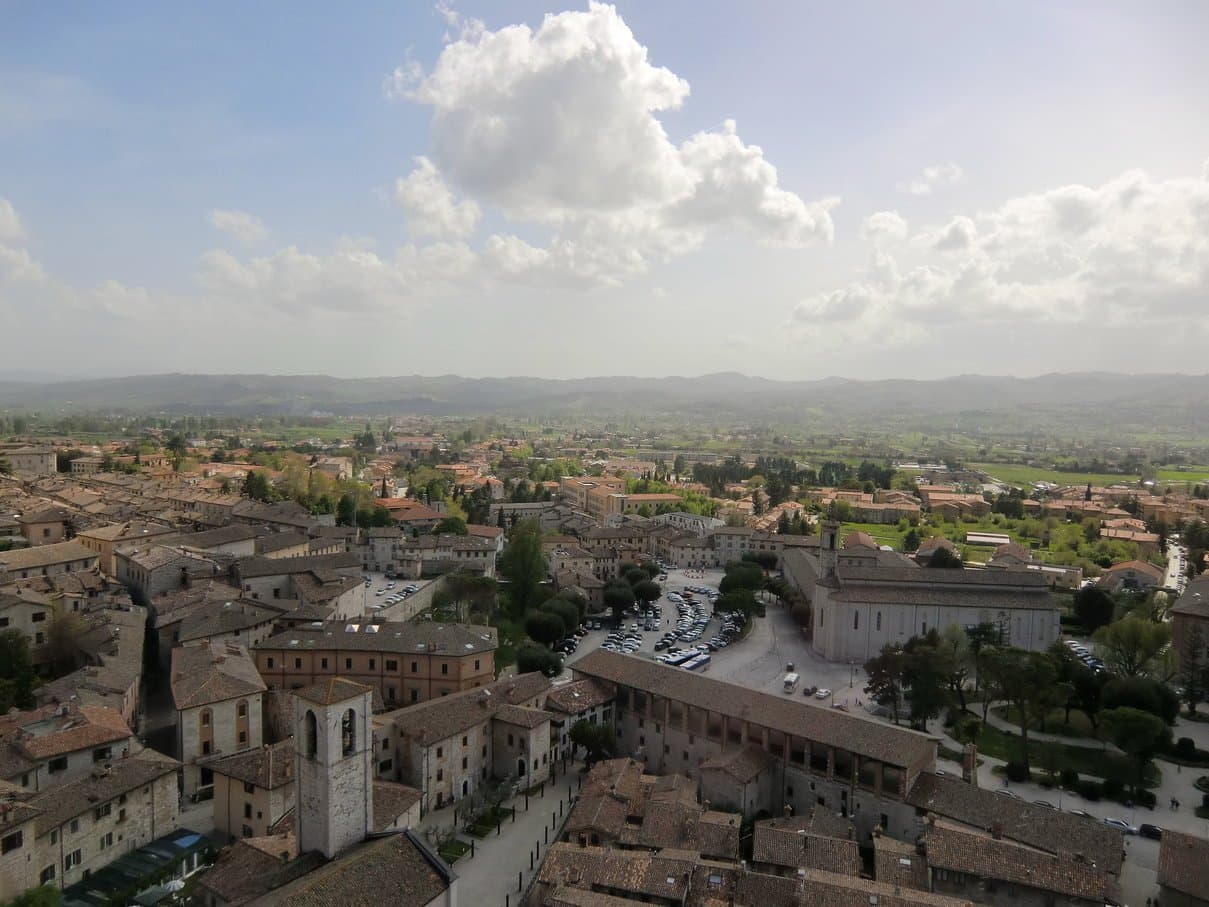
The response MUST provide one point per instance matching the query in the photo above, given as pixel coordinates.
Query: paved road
(492, 873)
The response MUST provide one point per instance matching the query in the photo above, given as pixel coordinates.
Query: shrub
(1145, 798)
(1090, 790)
(1070, 778)
(1185, 748)
(1016, 771)
(1113, 787)
(966, 728)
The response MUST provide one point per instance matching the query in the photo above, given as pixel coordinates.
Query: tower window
(312, 734)
(348, 732)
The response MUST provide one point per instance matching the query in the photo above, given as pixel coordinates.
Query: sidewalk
(503, 865)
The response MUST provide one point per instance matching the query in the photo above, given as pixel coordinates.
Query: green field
(1025, 475)
(1184, 474)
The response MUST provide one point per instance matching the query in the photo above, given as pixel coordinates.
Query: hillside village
(279, 672)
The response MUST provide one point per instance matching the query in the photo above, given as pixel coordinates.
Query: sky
(785, 189)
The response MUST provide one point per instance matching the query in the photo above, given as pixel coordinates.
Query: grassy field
(1023, 476)
(1184, 474)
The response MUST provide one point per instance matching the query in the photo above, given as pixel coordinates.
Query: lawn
(1023, 476)
(1096, 762)
(454, 850)
(1055, 722)
(487, 821)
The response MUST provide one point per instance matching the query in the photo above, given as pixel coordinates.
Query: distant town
(421, 660)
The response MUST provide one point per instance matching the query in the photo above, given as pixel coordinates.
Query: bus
(700, 663)
(681, 657)
(791, 682)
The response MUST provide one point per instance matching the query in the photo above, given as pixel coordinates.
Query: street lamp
(851, 673)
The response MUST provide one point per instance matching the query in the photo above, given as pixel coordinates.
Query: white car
(822, 694)
(1121, 825)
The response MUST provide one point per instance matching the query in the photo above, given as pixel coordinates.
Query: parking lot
(374, 602)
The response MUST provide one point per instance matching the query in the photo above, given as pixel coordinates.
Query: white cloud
(558, 127)
(400, 82)
(247, 228)
(932, 179)
(11, 229)
(429, 204)
(884, 227)
(1132, 249)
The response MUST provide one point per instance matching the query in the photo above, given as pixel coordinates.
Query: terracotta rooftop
(333, 690)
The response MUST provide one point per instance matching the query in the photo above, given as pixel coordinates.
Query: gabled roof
(333, 690)
(212, 672)
(269, 767)
(1183, 862)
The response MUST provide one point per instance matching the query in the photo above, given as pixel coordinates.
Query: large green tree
(618, 597)
(598, 740)
(1029, 682)
(524, 564)
(885, 671)
(1133, 645)
(1137, 733)
(545, 627)
(16, 671)
(451, 525)
(1094, 607)
(534, 658)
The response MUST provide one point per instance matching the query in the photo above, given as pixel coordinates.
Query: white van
(791, 682)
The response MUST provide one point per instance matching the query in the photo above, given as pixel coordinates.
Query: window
(11, 842)
(415, 695)
(101, 753)
(385, 765)
(415, 667)
(38, 617)
(242, 709)
(323, 663)
(247, 810)
(440, 751)
(47, 875)
(856, 620)
(3, 621)
(206, 747)
(440, 774)
(298, 664)
(510, 740)
(445, 669)
(58, 764)
(39, 638)
(392, 664)
(75, 826)
(243, 736)
(121, 816)
(465, 763)
(348, 732)
(348, 664)
(465, 740)
(476, 664)
(247, 831)
(312, 734)
(54, 836)
(72, 859)
(269, 662)
(879, 620)
(205, 718)
(105, 840)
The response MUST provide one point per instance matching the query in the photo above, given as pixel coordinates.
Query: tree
(783, 523)
(346, 510)
(885, 672)
(256, 486)
(598, 740)
(678, 465)
(566, 611)
(618, 597)
(801, 614)
(742, 600)
(531, 658)
(956, 661)
(6, 468)
(1144, 693)
(1133, 645)
(647, 591)
(524, 564)
(545, 627)
(16, 671)
(42, 896)
(911, 540)
(926, 667)
(1029, 682)
(1094, 607)
(1194, 671)
(742, 575)
(451, 525)
(982, 636)
(944, 558)
(1136, 733)
(636, 575)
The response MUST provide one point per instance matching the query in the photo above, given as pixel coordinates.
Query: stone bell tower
(333, 765)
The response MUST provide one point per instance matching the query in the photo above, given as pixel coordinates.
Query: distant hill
(1101, 402)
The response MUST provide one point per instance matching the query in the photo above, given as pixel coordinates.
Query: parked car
(1044, 803)
(1004, 792)
(1146, 830)
(1121, 825)
(822, 694)
(1083, 814)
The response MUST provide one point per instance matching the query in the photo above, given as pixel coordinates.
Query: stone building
(803, 754)
(863, 599)
(47, 560)
(1183, 879)
(48, 747)
(254, 790)
(404, 662)
(217, 694)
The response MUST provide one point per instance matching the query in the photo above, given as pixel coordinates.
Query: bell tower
(829, 550)
(333, 765)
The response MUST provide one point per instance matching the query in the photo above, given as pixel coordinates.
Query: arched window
(312, 734)
(206, 717)
(348, 732)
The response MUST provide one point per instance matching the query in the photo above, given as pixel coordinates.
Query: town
(254, 670)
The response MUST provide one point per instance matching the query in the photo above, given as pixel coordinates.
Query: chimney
(969, 764)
